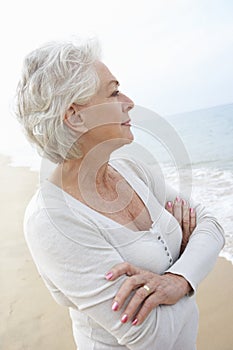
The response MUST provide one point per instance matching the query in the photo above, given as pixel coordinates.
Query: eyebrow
(114, 81)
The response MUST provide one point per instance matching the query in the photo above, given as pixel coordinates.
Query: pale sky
(169, 55)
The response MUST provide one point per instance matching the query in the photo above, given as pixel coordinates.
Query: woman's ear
(74, 119)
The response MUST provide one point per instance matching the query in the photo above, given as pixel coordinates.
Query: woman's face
(106, 114)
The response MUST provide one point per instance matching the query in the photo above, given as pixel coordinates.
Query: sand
(31, 320)
(215, 301)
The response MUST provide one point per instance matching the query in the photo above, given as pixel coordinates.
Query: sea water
(208, 137)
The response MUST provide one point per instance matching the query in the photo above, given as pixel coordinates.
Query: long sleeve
(206, 241)
(74, 256)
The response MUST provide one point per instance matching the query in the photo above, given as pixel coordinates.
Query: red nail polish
(191, 210)
(108, 275)
(135, 321)
(124, 318)
(178, 199)
(184, 202)
(169, 204)
(115, 306)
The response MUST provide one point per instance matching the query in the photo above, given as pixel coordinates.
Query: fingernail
(124, 318)
(108, 275)
(184, 201)
(115, 306)
(178, 199)
(169, 204)
(191, 210)
(135, 321)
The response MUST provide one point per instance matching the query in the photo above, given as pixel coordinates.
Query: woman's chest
(155, 249)
(132, 215)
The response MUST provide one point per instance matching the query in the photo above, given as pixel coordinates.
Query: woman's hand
(150, 289)
(185, 216)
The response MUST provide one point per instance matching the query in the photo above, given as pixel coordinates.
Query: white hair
(53, 77)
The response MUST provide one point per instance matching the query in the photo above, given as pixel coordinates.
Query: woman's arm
(74, 255)
(207, 238)
(203, 246)
(174, 284)
(166, 289)
(198, 257)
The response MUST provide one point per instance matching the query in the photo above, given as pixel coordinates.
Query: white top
(73, 247)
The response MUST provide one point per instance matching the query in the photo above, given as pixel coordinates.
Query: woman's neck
(88, 173)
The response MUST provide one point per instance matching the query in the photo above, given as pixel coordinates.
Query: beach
(30, 318)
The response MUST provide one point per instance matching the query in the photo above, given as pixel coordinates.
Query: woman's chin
(124, 141)
(129, 137)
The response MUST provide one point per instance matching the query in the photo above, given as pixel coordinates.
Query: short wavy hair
(54, 76)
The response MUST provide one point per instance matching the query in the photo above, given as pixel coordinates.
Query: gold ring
(147, 289)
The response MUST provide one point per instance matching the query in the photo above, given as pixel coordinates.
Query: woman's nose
(127, 103)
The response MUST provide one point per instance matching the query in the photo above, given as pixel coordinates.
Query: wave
(214, 188)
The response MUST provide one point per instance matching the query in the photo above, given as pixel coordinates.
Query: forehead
(104, 74)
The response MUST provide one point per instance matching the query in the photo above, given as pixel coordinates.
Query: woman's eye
(115, 93)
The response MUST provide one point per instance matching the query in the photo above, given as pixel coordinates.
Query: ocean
(196, 147)
(208, 136)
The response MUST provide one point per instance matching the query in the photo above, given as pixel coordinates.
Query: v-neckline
(139, 183)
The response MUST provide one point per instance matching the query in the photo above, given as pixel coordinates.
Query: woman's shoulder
(50, 203)
(50, 217)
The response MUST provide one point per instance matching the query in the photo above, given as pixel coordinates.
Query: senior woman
(97, 228)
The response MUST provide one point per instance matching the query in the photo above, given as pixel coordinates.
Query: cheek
(103, 115)
(109, 131)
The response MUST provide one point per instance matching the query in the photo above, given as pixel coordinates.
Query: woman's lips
(127, 123)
